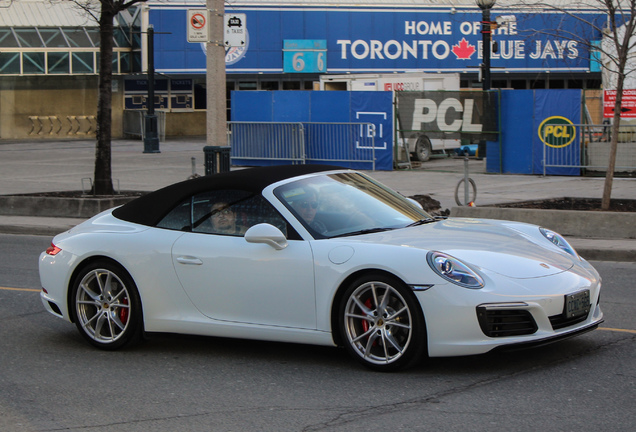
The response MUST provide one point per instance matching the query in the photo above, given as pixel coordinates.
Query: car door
(229, 279)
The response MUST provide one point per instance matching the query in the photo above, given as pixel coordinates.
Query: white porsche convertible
(318, 255)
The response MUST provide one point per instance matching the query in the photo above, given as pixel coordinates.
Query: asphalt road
(51, 380)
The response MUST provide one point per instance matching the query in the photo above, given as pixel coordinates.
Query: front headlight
(454, 270)
(558, 240)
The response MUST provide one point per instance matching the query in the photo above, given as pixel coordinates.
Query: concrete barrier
(65, 207)
(575, 223)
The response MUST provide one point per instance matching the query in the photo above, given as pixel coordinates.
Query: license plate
(577, 304)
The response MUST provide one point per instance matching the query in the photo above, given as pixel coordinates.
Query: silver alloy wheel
(102, 304)
(378, 323)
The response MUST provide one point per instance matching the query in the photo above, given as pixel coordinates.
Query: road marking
(617, 330)
(19, 289)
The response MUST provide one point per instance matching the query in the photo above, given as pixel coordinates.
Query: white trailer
(417, 143)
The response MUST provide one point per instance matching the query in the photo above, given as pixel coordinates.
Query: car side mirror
(415, 203)
(268, 234)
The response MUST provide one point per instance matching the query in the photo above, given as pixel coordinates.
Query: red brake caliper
(123, 312)
(365, 323)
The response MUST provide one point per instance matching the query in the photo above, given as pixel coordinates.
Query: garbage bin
(217, 159)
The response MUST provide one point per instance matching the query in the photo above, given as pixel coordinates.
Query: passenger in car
(223, 220)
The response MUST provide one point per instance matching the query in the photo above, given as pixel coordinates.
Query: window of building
(9, 63)
(28, 38)
(53, 37)
(291, 85)
(33, 63)
(247, 85)
(80, 45)
(557, 84)
(125, 65)
(93, 34)
(518, 84)
(537, 84)
(83, 62)
(58, 62)
(7, 38)
(78, 37)
(269, 85)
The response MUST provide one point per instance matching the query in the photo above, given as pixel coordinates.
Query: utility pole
(215, 77)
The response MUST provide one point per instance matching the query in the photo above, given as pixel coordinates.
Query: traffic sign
(235, 30)
(197, 25)
(628, 105)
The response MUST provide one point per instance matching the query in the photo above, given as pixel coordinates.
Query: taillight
(53, 250)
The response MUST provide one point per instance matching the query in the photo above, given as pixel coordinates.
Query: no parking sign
(197, 25)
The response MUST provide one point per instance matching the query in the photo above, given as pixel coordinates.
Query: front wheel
(382, 324)
(106, 306)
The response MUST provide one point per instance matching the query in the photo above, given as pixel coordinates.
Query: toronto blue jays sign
(386, 40)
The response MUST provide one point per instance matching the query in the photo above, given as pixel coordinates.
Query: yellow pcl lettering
(557, 131)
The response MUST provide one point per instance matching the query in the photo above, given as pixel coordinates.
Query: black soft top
(152, 207)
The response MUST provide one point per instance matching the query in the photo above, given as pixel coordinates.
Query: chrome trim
(494, 306)
(421, 287)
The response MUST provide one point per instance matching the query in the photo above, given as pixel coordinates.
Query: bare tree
(104, 12)
(616, 50)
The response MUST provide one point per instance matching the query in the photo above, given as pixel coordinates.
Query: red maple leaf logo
(464, 50)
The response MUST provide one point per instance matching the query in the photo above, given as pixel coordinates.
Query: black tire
(423, 149)
(106, 307)
(381, 323)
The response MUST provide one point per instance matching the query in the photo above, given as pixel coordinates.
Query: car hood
(513, 249)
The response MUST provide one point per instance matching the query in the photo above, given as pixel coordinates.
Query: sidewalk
(46, 166)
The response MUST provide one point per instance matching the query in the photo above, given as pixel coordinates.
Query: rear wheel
(423, 149)
(381, 323)
(106, 306)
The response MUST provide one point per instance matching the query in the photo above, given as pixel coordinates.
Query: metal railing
(301, 143)
(134, 123)
(63, 125)
(587, 147)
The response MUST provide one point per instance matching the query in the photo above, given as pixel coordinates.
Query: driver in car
(306, 206)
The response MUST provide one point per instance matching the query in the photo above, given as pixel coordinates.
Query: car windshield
(349, 203)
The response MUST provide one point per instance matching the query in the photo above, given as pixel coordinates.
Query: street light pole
(151, 133)
(485, 6)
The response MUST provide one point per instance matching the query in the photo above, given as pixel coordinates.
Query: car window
(179, 218)
(347, 204)
(225, 212)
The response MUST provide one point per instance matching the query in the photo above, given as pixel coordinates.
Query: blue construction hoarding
(525, 140)
(375, 108)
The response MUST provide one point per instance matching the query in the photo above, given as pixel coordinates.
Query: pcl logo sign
(450, 115)
(557, 132)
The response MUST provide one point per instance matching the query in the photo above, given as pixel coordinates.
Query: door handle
(189, 260)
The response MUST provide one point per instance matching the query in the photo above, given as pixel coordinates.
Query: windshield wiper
(422, 222)
(364, 231)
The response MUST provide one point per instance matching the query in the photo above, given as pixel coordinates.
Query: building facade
(287, 46)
